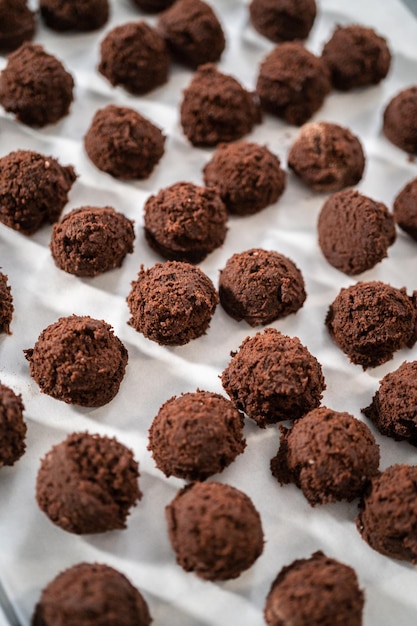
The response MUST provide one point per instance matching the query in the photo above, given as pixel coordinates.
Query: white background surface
(32, 549)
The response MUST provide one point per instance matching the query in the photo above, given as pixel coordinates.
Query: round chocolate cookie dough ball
(172, 303)
(35, 86)
(400, 120)
(78, 15)
(185, 222)
(387, 518)
(33, 190)
(6, 304)
(192, 32)
(17, 24)
(283, 20)
(153, 6)
(393, 409)
(215, 530)
(12, 427)
(405, 209)
(135, 57)
(247, 176)
(78, 360)
(273, 378)
(88, 483)
(292, 83)
(327, 157)
(123, 143)
(91, 240)
(216, 108)
(260, 286)
(196, 435)
(329, 455)
(89, 594)
(354, 231)
(315, 591)
(369, 321)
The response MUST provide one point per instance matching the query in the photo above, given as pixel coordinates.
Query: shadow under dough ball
(405, 209)
(153, 6)
(400, 120)
(77, 15)
(6, 304)
(283, 20)
(12, 427)
(17, 24)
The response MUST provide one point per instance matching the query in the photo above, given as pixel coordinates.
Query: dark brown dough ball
(327, 157)
(123, 143)
(172, 303)
(215, 530)
(6, 304)
(387, 517)
(273, 378)
(78, 15)
(247, 176)
(393, 409)
(185, 222)
(89, 594)
(192, 32)
(315, 591)
(88, 483)
(153, 6)
(135, 57)
(283, 20)
(354, 231)
(91, 240)
(357, 57)
(216, 108)
(196, 435)
(292, 83)
(12, 427)
(260, 286)
(405, 209)
(78, 360)
(35, 86)
(400, 120)
(17, 24)
(369, 321)
(33, 190)
(329, 455)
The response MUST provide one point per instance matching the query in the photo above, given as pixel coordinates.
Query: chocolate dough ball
(17, 24)
(369, 321)
(292, 83)
(91, 240)
(387, 518)
(329, 455)
(327, 157)
(88, 483)
(89, 594)
(192, 32)
(35, 86)
(273, 378)
(79, 15)
(357, 57)
(123, 143)
(153, 6)
(215, 530)
(78, 360)
(393, 409)
(135, 57)
(12, 427)
(400, 120)
(283, 20)
(260, 286)
(247, 176)
(33, 190)
(185, 222)
(196, 435)
(216, 108)
(6, 304)
(172, 303)
(405, 209)
(354, 231)
(315, 591)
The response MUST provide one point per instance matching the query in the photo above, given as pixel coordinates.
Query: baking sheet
(32, 549)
